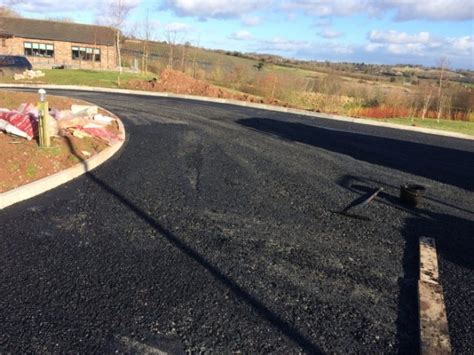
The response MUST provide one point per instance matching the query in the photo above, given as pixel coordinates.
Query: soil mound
(180, 83)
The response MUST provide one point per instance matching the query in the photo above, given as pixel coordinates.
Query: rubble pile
(80, 121)
(29, 74)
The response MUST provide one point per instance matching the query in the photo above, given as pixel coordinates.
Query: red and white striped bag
(25, 122)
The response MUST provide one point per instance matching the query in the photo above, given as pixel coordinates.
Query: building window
(86, 54)
(97, 54)
(39, 49)
(75, 52)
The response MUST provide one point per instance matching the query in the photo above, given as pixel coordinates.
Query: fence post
(44, 139)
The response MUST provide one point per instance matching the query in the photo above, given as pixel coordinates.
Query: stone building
(49, 44)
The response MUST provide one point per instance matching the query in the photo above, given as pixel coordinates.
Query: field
(395, 93)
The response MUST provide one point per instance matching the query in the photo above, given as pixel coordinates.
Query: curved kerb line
(47, 183)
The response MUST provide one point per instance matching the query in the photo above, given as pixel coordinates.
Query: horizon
(372, 32)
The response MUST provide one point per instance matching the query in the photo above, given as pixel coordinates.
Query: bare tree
(413, 108)
(147, 34)
(115, 15)
(443, 64)
(194, 56)
(183, 56)
(171, 40)
(274, 86)
(6, 9)
(7, 12)
(426, 101)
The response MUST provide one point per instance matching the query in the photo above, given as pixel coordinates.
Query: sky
(369, 31)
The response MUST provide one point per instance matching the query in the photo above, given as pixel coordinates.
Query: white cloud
(241, 35)
(331, 7)
(49, 7)
(405, 10)
(322, 51)
(303, 49)
(250, 20)
(339, 48)
(464, 44)
(456, 10)
(41, 6)
(371, 47)
(177, 27)
(213, 8)
(406, 48)
(421, 44)
(283, 45)
(291, 16)
(330, 34)
(437, 10)
(323, 22)
(398, 37)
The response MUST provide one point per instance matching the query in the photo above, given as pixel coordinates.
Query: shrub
(371, 102)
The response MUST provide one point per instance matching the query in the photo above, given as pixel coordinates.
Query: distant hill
(207, 58)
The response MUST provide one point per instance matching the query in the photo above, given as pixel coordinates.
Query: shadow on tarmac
(453, 234)
(274, 319)
(437, 163)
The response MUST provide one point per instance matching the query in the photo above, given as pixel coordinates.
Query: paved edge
(50, 182)
(434, 331)
(245, 104)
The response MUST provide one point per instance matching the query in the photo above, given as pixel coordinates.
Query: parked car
(13, 64)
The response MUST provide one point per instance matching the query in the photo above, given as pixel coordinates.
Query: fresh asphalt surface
(214, 230)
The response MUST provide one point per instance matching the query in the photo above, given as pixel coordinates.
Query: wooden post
(434, 333)
(44, 138)
(43, 132)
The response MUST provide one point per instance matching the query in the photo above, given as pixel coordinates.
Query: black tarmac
(215, 229)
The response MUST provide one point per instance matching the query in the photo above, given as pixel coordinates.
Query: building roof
(57, 31)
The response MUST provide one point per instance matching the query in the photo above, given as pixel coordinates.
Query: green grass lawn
(444, 125)
(82, 77)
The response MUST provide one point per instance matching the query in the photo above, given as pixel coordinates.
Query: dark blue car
(13, 64)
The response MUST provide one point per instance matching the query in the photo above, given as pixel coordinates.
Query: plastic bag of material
(24, 122)
(72, 122)
(105, 120)
(28, 108)
(9, 128)
(80, 134)
(101, 133)
(61, 114)
(53, 127)
(82, 110)
(93, 125)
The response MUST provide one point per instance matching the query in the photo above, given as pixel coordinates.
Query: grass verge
(464, 127)
(108, 79)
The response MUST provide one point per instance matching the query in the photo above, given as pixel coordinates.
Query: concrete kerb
(50, 182)
(245, 104)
